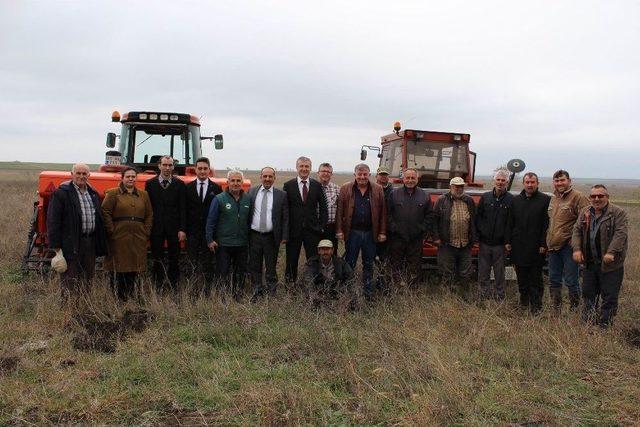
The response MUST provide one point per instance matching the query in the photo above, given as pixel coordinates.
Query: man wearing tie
(307, 216)
(200, 193)
(269, 216)
(167, 194)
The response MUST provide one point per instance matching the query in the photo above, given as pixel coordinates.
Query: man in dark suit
(200, 193)
(269, 222)
(307, 216)
(167, 194)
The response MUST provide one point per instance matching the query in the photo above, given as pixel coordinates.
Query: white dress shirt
(257, 209)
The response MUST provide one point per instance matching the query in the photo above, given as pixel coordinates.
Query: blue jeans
(362, 241)
(562, 266)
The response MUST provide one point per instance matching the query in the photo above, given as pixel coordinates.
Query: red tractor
(438, 157)
(144, 138)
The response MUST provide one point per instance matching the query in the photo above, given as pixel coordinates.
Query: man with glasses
(600, 243)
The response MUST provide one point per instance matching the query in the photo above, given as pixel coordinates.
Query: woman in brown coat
(127, 217)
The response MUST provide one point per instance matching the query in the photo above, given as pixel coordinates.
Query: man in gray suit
(269, 218)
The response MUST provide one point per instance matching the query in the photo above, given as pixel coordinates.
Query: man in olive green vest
(227, 233)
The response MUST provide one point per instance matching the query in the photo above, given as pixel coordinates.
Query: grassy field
(420, 356)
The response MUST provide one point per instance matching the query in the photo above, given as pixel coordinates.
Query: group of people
(230, 232)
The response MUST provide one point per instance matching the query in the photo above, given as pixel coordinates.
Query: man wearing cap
(361, 221)
(409, 220)
(492, 221)
(382, 248)
(599, 243)
(331, 190)
(382, 179)
(455, 233)
(76, 231)
(326, 275)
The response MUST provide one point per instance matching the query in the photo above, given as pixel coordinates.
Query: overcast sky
(556, 83)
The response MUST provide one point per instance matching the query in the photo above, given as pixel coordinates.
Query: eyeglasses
(598, 196)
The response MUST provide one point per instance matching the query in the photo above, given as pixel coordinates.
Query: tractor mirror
(111, 140)
(218, 142)
(363, 154)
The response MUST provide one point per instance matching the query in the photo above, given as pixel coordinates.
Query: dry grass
(416, 357)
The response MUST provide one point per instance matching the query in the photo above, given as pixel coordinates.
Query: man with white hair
(227, 233)
(492, 222)
(361, 221)
(76, 231)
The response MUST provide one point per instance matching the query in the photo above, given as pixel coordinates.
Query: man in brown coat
(599, 242)
(361, 221)
(564, 207)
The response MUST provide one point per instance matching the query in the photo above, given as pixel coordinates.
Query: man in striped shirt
(331, 190)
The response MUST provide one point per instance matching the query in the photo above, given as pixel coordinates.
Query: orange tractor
(438, 157)
(144, 138)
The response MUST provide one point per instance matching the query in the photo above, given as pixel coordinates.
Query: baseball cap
(325, 243)
(456, 181)
(382, 171)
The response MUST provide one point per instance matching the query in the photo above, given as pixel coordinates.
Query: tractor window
(392, 157)
(149, 142)
(436, 159)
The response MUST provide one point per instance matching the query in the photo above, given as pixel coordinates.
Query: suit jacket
(169, 214)
(309, 216)
(279, 213)
(197, 209)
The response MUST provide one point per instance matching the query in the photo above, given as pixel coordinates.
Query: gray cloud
(555, 84)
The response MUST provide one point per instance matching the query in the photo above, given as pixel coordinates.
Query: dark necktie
(201, 194)
(165, 183)
(305, 191)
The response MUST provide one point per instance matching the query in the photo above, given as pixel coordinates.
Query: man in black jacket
(199, 194)
(455, 233)
(326, 275)
(526, 239)
(492, 221)
(409, 220)
(307, 216)
(167, 194)
(75, 227)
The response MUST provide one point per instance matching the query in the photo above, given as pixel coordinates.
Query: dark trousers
(202, 264)
(382, 265)
(262, 248)
(124, 284)
(310, 240)
(455, 265)
(562, 268)
(362, 241)
(601, 290)
(232, 266)
(491, 256)
(330, 234)
(80, 270)
(530, 286)
(404, 259)
(161, 269)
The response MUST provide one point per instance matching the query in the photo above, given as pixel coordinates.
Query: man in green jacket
(599, 243)
(227, 233)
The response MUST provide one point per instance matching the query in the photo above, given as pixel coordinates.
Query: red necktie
(305, 191)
